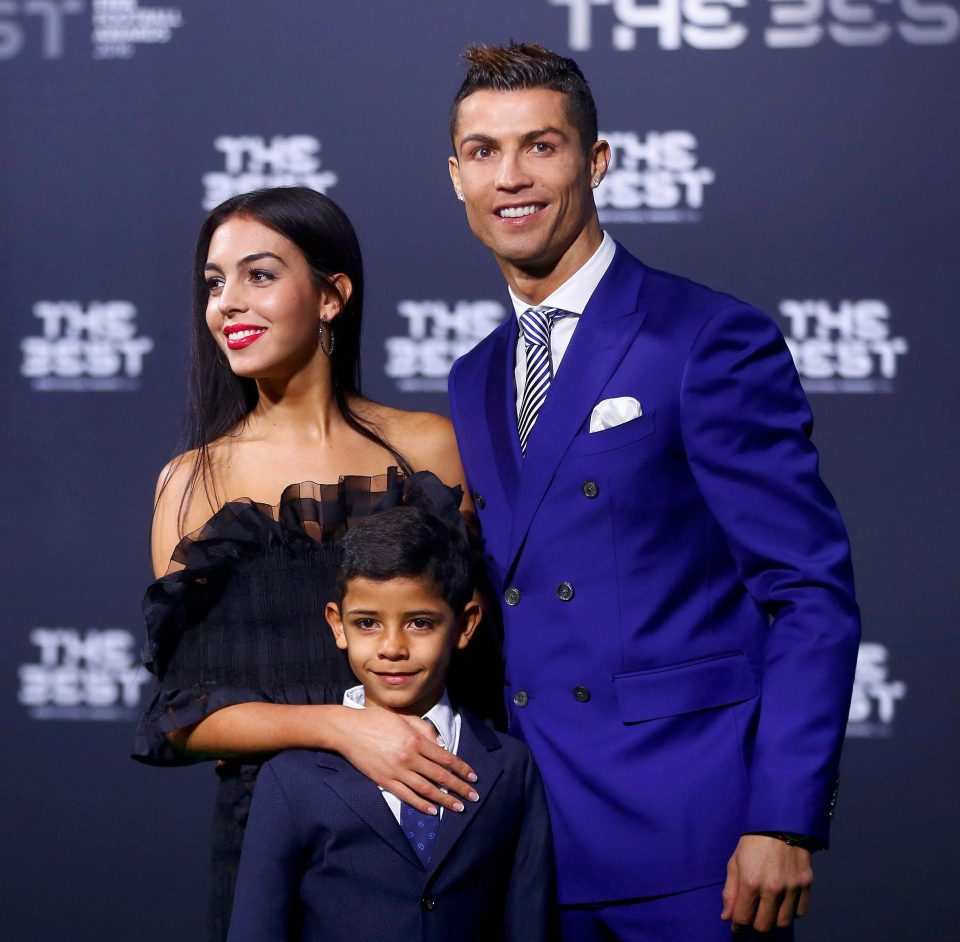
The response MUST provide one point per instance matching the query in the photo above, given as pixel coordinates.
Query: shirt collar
(574, 294)
(440, 714)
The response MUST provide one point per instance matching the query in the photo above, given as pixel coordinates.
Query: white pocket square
(613, 412)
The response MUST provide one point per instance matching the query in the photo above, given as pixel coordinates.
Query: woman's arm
(398, 753)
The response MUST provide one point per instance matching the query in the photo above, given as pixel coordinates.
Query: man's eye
(482, 152)
(542, 147)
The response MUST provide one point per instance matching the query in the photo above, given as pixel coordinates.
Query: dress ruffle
(308, 518)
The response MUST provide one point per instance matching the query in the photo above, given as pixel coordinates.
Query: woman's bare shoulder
(426, 439)
(184, 500)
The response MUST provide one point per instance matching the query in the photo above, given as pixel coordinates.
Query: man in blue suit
(680, 625)
(328, 855)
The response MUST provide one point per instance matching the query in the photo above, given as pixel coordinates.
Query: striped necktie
(536, 324)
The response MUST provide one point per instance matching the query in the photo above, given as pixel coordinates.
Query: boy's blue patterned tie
(536, 324)
(420, 828)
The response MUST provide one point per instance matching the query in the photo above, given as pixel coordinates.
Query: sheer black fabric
(239, 617)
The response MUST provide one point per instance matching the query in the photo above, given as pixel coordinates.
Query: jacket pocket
(684, 688)
(590, 443)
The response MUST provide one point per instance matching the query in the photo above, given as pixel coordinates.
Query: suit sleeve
(746, 427)
(264, 906)
(531, 911)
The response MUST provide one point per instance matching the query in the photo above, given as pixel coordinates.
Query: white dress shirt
(442, 716)
(571, 296)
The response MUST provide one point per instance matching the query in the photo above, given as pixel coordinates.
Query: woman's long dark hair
(218, 400)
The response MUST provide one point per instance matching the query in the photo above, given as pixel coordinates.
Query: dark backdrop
(798, 153)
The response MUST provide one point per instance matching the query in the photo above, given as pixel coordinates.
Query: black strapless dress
(239, 617)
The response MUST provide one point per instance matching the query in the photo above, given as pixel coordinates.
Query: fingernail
(457, 806)
(431, 810)
(472, 777)
(473, 796)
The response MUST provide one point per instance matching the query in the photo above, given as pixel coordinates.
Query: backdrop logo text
(82, 675)
(654, 178)
(875, 696)
(437, 334)
(846, 348)
(784, 24)
(49, 28)
(85, 348)
(251, 162)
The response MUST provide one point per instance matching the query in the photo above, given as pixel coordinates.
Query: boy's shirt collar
(440, 714)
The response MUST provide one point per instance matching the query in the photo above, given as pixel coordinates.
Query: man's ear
(599, 161)
(471, 616)
(453, 165)
(336, 625)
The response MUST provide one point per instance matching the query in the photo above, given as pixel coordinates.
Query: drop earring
(325, 328)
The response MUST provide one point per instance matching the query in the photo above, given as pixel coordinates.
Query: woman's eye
(261, 276)
(214, 284)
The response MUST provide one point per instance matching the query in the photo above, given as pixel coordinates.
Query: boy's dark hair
(528, 65)
(407, 542)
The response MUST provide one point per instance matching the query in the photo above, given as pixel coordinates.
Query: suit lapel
(500, 403)
(480, 748)
(365, 800)
(605, 332)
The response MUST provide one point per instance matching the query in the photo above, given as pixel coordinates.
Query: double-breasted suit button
(478, 500)
(428, 903)
(520, 698)
(512, 596)
(564, 591)
(590, 489)
(581, 694)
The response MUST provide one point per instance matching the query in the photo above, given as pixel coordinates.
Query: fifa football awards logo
(82, 675)
(625, 25)
(847, 348)
(875, 696)
(85, 348)
(437, 334)
(251, 162)
(655, 178)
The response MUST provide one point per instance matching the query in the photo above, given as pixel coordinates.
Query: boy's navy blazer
(322, 842)
(680, 624)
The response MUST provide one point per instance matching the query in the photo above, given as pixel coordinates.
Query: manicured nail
(431, 810)
(472, 777)
(457, 806)
(473, 796)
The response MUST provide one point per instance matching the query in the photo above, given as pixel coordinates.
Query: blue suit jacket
(324, 858)
(696, 684)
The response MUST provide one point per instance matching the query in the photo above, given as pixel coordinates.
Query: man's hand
(768, 884)
(400, 754)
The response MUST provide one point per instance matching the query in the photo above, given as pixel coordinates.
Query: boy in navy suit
(327, 854)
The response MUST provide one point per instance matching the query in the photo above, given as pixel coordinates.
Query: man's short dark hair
(528, 65)
(407, 542)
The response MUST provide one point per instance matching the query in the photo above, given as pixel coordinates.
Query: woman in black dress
(244, 540)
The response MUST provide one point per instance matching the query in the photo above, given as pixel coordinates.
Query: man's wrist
(793, 840)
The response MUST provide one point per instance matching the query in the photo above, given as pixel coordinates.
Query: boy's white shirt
(442, 716)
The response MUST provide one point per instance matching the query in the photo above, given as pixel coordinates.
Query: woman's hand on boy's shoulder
(401, 755)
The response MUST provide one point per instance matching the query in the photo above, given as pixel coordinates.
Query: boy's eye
(365, 623)
(421, 623)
